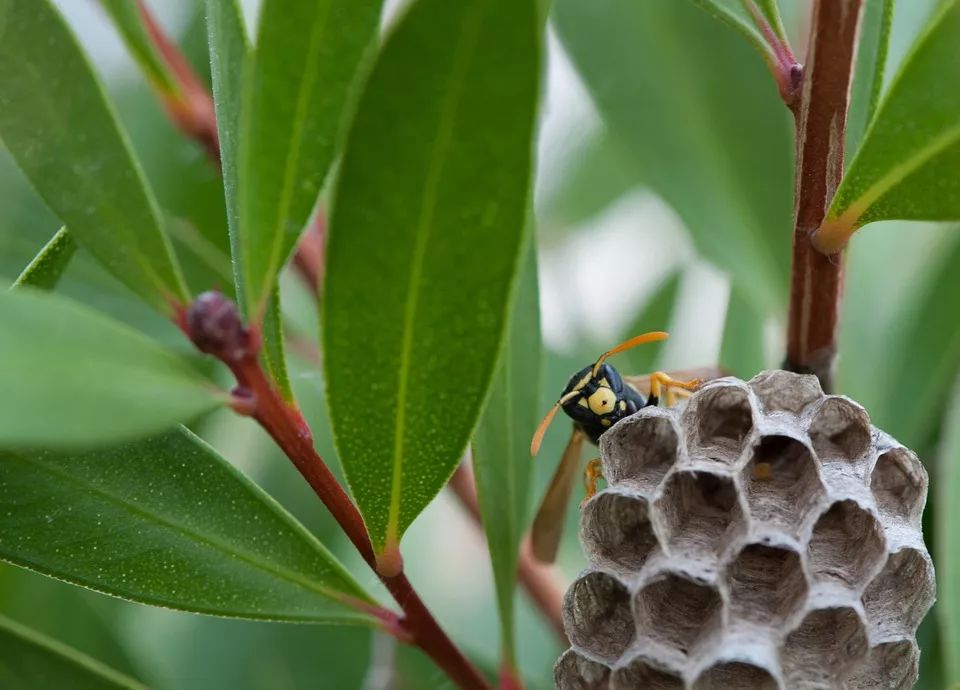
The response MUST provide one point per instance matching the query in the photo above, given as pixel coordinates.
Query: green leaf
(872, 47)
(702, 118)
(948, 539)
(126, 16)
(56, 122)
(166, 521)
(30, 661)
(231, 54)
(426, 234)
(45, 270)
(906, 166)
(74, 376)
(501, 447)
(656, 315)
(742, 349)
(307, 56)
(274, 353)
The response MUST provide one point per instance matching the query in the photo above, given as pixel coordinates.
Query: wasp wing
(548, 523)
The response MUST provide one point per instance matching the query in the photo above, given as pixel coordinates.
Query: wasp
(595, 398)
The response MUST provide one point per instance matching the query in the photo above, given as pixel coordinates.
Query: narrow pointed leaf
(126, 16)
(307, 56)
(501, 447)
(230, 58)
(907, 166)
(166, 521)
(426, 233)
(868, 72)
(31, 661)
(656, 315)
(73, 376)
(727, 171)
(45, 270)
(60, 129)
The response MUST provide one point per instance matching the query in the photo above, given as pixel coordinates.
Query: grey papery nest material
(763, 535)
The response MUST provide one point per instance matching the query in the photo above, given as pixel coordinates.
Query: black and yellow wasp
(595, 398)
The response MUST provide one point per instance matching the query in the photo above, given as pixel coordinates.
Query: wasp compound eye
(707, 573)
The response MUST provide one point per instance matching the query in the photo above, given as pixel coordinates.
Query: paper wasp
(595, 398)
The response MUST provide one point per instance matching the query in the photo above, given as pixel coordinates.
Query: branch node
(214, 325)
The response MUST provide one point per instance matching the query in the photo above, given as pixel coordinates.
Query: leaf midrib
(251, 560)
(899, 173)
(441, 142)
(308, 82)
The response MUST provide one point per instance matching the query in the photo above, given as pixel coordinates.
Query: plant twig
(817, 280)
(213, 324)
(191, 109)
(541, 582)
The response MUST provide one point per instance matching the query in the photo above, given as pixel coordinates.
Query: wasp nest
(763, 535)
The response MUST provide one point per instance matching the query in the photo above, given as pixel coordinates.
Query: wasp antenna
(545, 423)
(651, 337)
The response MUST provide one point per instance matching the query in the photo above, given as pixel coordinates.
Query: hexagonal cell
(639, 451)
(840, 430)
(899, 484)
(822, 650)
(576, 672)
(677, 611)
(890, 665)
(724, 420)
(735, 675)
(643, 673)
(615, 529)
(784, 391)
(847, 545)
(783, 484)
(596, 615)
(900, 595)
(699, 509)
(766, 583)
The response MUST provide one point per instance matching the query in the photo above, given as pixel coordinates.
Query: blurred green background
(630, 239)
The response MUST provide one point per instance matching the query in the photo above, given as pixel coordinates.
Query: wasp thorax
(764, 535)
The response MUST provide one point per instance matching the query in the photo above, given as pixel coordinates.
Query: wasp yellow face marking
(602, 401)
(582, 402)
(605, 422)
(604, 382)
(623, 405)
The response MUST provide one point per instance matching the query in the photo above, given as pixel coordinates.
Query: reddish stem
(817, 280)
(541, 582)
(214, 326)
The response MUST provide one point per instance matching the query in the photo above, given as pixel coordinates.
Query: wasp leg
(591, 476)
(661, 382)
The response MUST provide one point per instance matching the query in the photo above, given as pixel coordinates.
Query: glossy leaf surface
(306, 60)
(906, 166)
(57, 124)
(82, 378)
(166, 521)
(872, 47)
(426, 232)
(43, 273)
